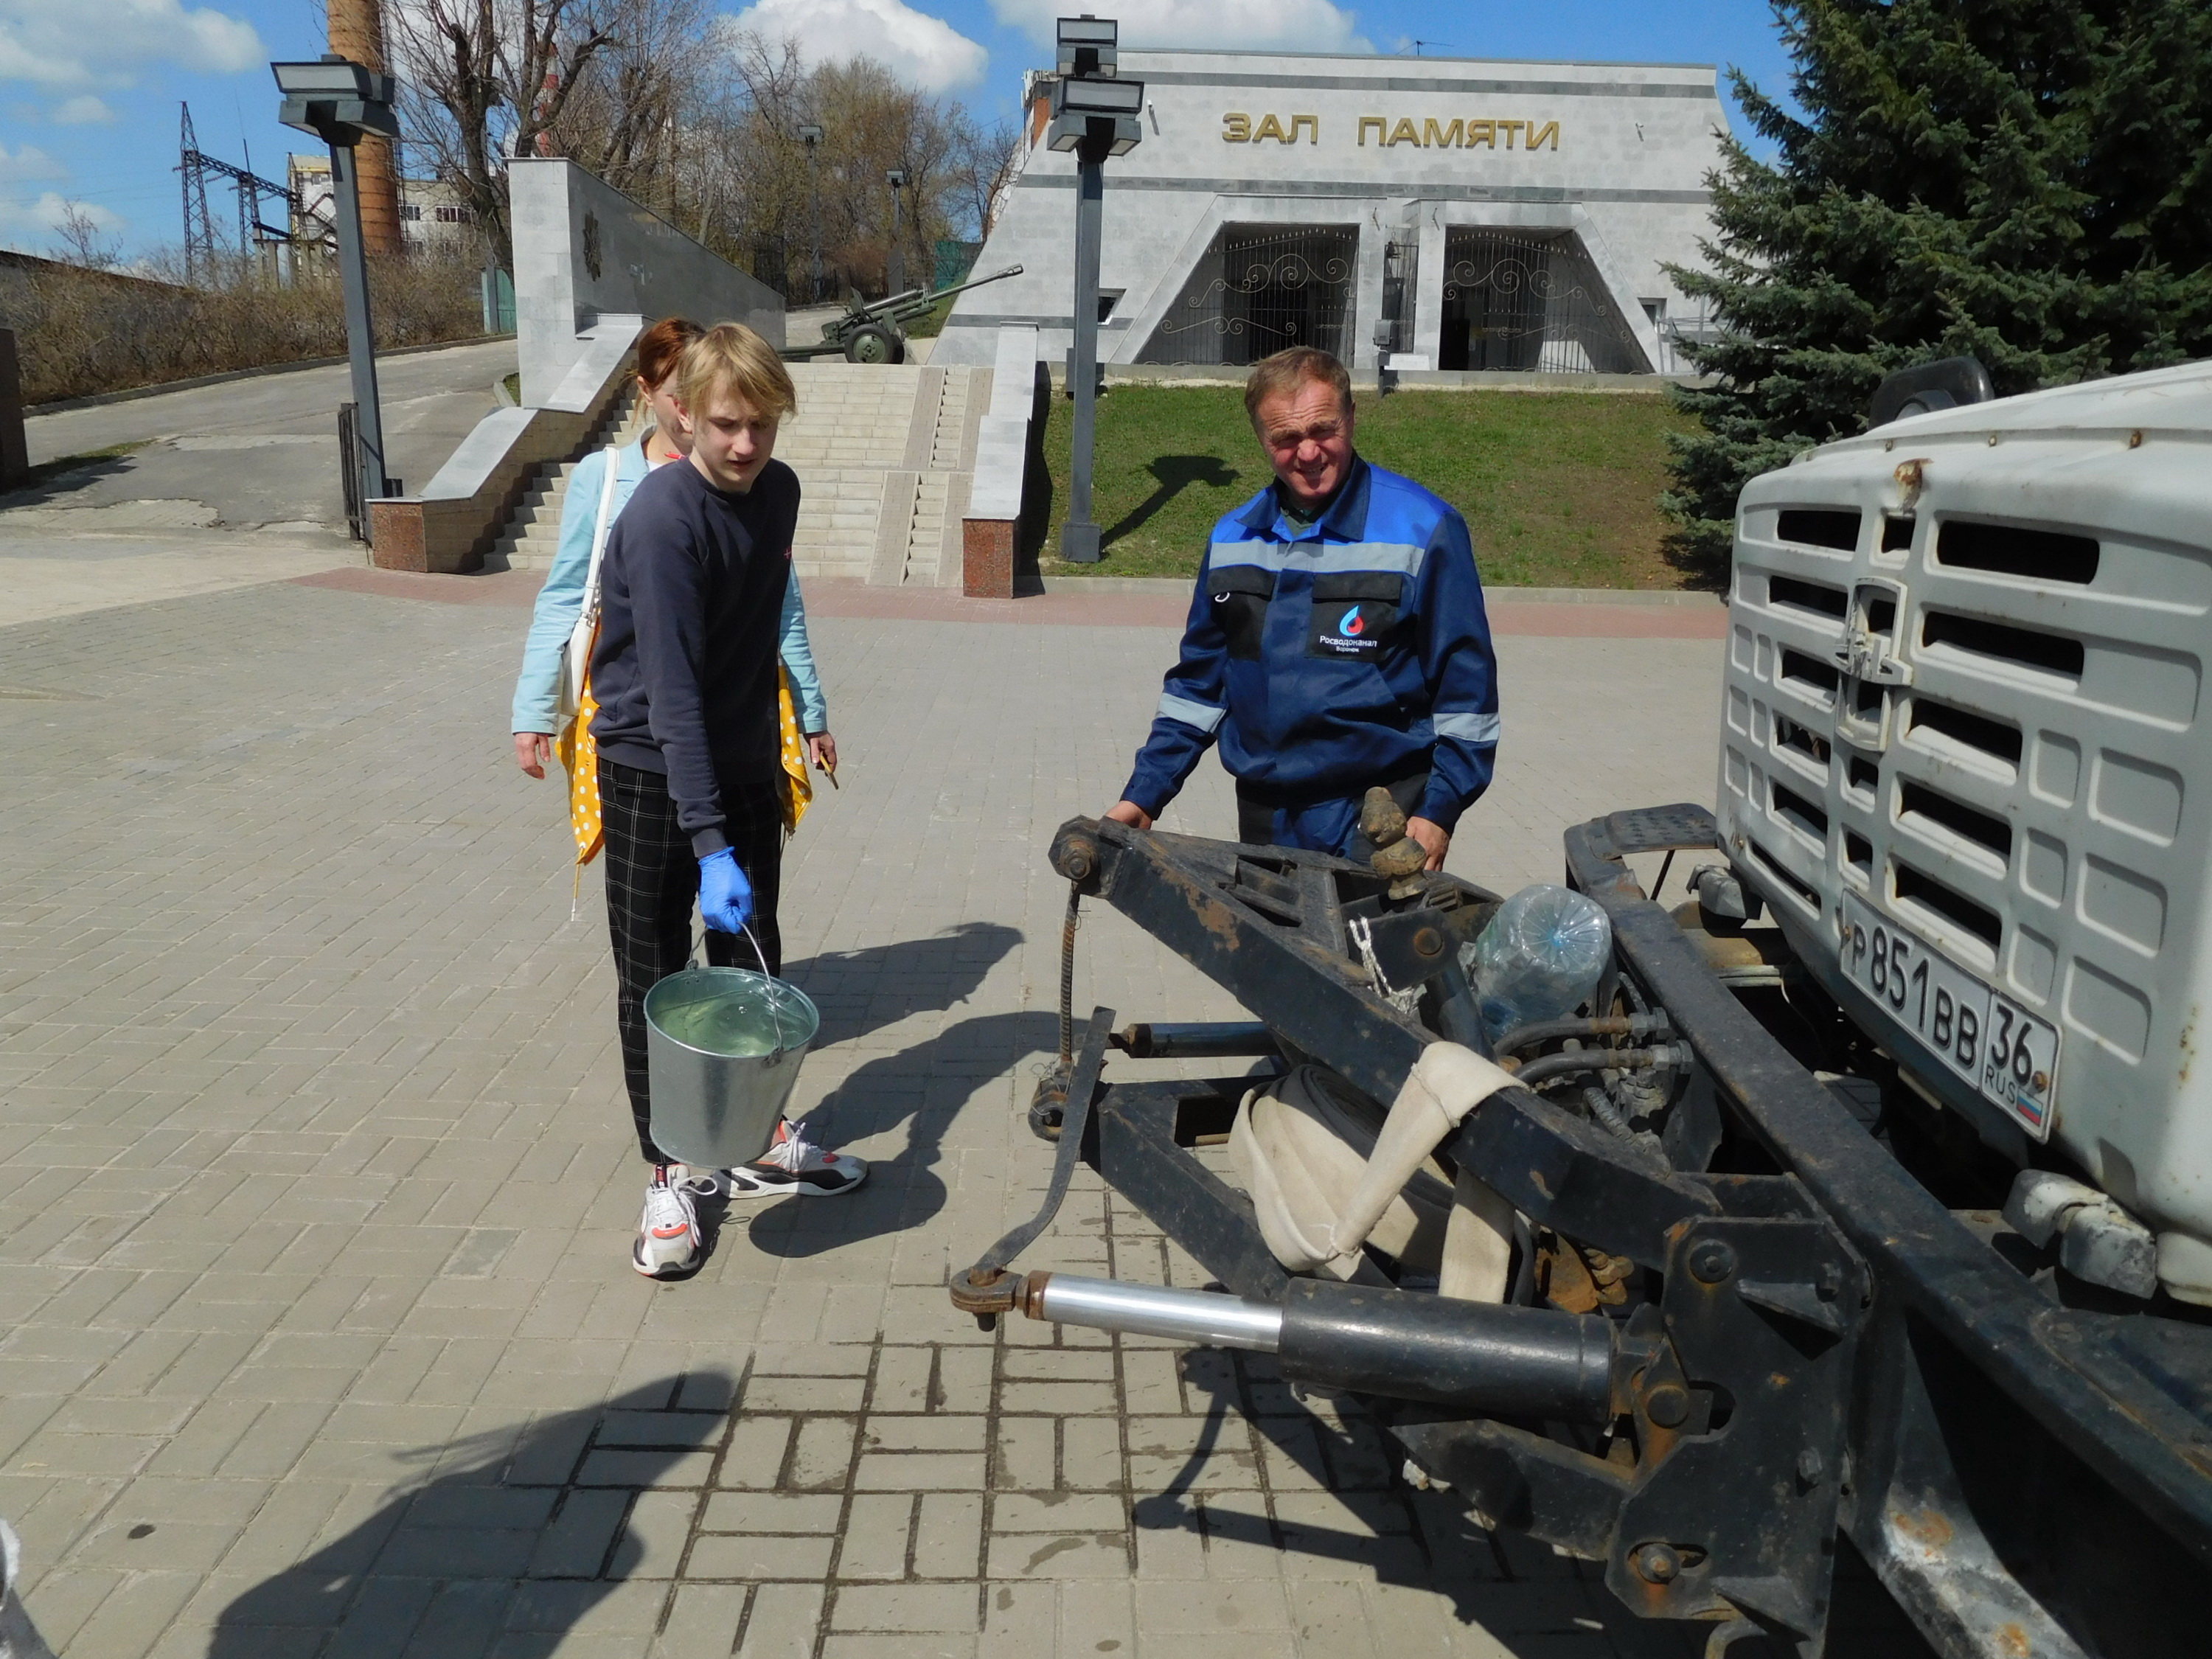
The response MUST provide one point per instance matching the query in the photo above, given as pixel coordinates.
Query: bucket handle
(774, 1012)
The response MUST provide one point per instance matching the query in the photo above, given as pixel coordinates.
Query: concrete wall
(584, 251)
(1625, 174)
(1006, 448)
(454, 523)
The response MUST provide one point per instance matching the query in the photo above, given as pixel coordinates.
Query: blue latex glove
(725, 897)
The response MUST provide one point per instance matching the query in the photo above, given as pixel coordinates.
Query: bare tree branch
(669, 103)
(83, 242)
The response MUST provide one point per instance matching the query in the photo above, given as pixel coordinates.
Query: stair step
(852, 427)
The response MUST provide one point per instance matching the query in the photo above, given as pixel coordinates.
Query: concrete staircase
(885, 455)
(533, 534)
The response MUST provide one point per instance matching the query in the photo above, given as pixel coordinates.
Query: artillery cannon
(873, 332)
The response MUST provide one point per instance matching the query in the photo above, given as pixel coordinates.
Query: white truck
(1964, 739)
(1867, 1194)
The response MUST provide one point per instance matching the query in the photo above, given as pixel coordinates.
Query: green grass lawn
(1560, 489)
(931, 323)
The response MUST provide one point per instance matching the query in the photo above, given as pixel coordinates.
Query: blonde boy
(690, 768)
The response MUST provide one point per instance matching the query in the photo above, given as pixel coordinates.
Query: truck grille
(1977, 708)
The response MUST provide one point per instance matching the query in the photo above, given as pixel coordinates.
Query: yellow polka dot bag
(579, 751)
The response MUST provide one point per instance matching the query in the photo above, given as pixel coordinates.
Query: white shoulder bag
(576, 658)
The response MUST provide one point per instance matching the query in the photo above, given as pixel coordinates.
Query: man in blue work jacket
(1337, 640)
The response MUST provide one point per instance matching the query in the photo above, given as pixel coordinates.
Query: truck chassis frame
(1823, 1343)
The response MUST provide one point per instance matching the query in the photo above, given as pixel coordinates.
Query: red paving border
(497, 587)
(1528, 619)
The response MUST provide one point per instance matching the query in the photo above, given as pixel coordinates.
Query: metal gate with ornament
(1535, 303)
(1261, 289)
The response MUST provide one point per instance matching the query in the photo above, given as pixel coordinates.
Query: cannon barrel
(915, 301)
(977, 282)
(881, 318)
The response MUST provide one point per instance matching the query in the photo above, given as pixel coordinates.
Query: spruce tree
(2027, 181)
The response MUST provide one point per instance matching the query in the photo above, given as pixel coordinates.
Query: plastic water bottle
(1540, 957)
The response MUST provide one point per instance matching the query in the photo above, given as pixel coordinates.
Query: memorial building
(1452, 214)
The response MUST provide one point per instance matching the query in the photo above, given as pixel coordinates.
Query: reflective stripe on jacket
(1329, 656)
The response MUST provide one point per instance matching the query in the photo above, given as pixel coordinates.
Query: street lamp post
(810, 136)
(897, 271)
(341, 102)
(1095, 115)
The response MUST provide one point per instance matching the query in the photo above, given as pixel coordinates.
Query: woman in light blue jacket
(536, 692)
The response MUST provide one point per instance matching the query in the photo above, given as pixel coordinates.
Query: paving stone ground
(318, 1335)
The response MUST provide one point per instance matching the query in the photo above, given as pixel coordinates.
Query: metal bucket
(722, 1049)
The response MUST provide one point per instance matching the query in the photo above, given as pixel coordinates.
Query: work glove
(725, 897)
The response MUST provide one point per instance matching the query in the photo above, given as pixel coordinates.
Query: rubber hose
(1592, 1060)
(1546, 1030)
(1607, 1113)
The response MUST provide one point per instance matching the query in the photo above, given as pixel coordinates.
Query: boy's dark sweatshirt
(691, 587)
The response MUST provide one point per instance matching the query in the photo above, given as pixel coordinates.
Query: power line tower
(308, 227)
(199, 233)
(249, 204)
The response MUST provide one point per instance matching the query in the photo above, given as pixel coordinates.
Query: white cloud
(924, 52)
(55, 43)
(37, 224)
(22, 166)
(83, 111)
(1241, 25)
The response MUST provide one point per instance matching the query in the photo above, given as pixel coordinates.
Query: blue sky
(88, 97)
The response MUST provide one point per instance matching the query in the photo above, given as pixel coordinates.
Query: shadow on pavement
(55, 481)
(862, 991)
(925, 1086)
(507, 1539)
(1348, 1460)
(1505, 1582)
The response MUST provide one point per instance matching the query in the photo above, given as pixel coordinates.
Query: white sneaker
(792, 1164)
(668, 1231)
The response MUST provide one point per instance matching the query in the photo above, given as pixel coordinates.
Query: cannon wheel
(871, 342)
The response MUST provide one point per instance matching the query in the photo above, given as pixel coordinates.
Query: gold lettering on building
(1237, 129)
(1465, 132)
